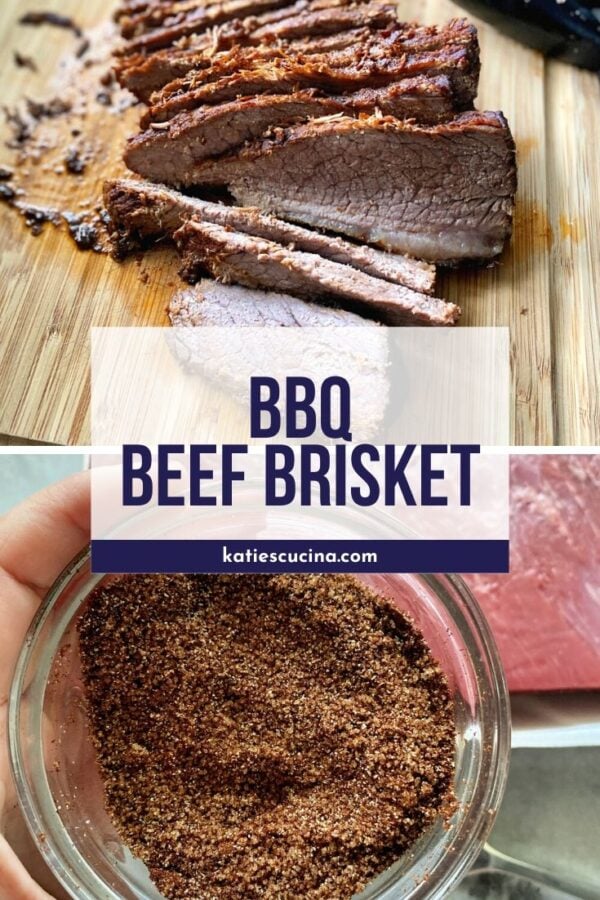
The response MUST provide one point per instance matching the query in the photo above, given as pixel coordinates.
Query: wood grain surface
(545, 290)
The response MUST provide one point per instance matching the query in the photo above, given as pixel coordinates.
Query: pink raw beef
(545, 614)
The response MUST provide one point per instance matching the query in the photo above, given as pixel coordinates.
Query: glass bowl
(60, 790)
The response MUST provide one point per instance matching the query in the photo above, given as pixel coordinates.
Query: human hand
(37, 540)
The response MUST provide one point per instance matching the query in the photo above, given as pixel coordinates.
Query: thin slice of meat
(165, 16)
(140, 210)
(190, 51)
(195, 21)
(240, 258)
(360, 352)
(132, 7)
(146, 75)
(324, 21)
(213, 303)
(365, 28)
(161, 15)
(430, 100)
(444, 193)
(143, 75)
(545, 614)
(379, 12)
(379, 60)
(212, 131)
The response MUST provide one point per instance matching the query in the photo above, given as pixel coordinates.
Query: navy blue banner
(299, 556)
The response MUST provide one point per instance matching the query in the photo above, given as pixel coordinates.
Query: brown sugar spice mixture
(264, 736)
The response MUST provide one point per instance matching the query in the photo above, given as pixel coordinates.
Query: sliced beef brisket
(214, 130)
(233, 256)
(213, 303)
(145, 75)
(430, 99)
(380, 59)
(363, 354)
(322, 20)
(196, 19)
(445, 193)
(340, 21)
(140, 210)
(364, 39)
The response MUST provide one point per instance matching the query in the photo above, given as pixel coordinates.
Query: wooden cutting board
(545, 291)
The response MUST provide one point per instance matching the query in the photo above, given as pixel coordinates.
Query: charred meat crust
(196, 20)
(373, 57)
(334, 72)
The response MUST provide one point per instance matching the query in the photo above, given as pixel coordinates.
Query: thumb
(15, 881)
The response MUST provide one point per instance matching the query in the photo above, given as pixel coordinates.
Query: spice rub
(264, 736)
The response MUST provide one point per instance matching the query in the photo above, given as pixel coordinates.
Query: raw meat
(545, 614)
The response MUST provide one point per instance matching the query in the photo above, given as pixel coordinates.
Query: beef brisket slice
(380, 59)
(429, 100)
(368, 30)
(444, 193)
(141, 210)
(213, 303)
(195, 20)
(321, 21)
(232, 256)
(212, 131)
(324, 26)
(360, 353)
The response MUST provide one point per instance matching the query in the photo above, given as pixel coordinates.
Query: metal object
(548, 883)
(562, 29)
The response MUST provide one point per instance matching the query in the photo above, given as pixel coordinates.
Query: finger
(37, 540)
(15, 882)
(17, 607)
(39, 537)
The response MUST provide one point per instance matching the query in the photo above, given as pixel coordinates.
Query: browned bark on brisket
(140, 210)
(379, 12)
(365, 39)
(427, 99)
(160, 15)
(232, 256)
(444, 193)
(213, 130)
(194, 20)
(323, 20)
(143, 75)
(380, 59)
(321, 33)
